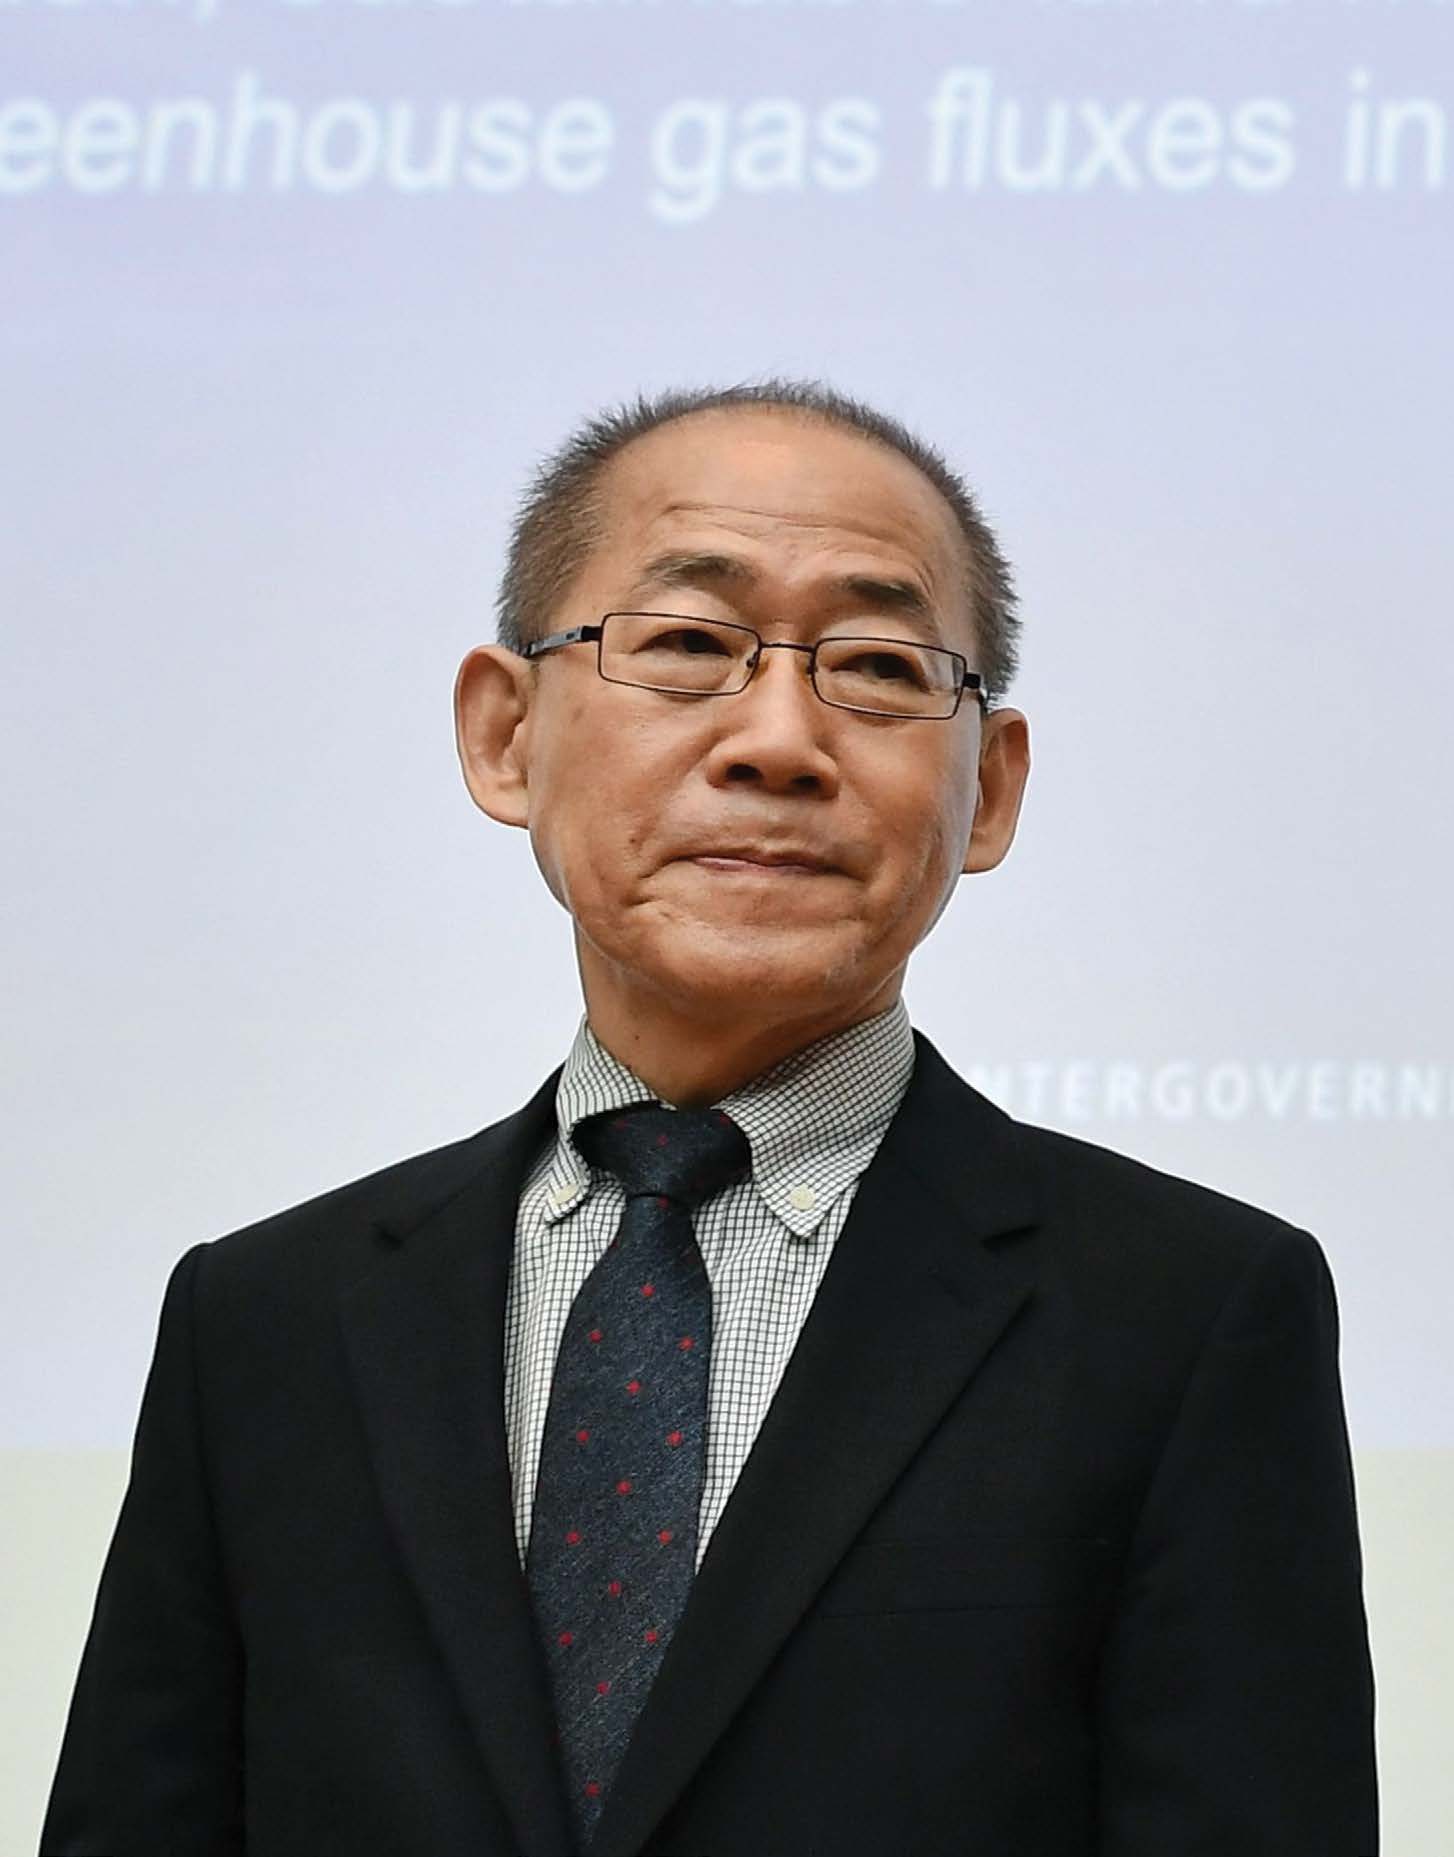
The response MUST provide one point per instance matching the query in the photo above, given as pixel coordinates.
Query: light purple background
(256, 467)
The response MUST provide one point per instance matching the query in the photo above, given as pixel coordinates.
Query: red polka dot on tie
(573, 1537)
(583, 1436)
(633, 1387)
(686, 1342)
(651, 1636)
(614, 1589)
(566, 1637)
(595, 1335)
(673, 1437)
(662, 1201)
(664, 1535)
(603, 1688)
(623, 1488)
(663, 1141)
(648, 1289)
(593, 1787)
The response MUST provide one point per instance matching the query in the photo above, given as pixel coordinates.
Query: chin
(737, 968)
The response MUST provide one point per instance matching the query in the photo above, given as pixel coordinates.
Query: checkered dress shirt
(813, 1122)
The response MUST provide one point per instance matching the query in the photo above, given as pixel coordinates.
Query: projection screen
(296, 292)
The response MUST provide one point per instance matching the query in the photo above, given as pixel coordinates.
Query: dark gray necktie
(613, 1534)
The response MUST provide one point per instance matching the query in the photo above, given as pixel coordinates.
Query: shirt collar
(813, 1122)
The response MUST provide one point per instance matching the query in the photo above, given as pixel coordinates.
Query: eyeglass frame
(585, 634)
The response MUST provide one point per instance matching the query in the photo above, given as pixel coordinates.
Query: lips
(797, 857)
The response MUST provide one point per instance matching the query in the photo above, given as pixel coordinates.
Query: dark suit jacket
(1046, 1548)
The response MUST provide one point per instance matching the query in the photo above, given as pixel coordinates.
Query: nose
(775, 734)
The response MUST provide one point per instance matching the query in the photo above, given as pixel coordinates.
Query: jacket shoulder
(1086, 1176)
(1121, 1235)
(1081, 1186)
(1138, 1236)
(337, 1231)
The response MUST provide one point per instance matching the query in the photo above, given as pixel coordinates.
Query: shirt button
(802, 1199)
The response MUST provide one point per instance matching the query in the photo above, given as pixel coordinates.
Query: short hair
(558, 522)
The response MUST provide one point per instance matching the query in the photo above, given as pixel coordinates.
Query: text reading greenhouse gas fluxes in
(976, 133)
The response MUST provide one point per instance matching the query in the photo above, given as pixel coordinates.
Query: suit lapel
(425, 1339)
(913, 1300)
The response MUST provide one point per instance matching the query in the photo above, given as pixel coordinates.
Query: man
(759, 1445)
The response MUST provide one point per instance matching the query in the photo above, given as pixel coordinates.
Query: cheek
(571, 835)
(592, 804)
(925, 822)
(555, 797)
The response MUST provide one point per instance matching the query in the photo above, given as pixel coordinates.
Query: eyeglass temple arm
(574, 636)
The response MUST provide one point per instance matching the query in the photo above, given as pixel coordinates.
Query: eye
(687, 641)
(880, 666)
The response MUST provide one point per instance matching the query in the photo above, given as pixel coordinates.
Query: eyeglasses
(685, 656)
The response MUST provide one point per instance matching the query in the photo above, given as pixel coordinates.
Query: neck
(691, 1055)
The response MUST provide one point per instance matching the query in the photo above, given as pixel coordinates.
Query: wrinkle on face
(813, 550)
(921, 538)
(749, 520)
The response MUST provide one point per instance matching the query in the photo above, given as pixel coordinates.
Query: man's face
(653, 816)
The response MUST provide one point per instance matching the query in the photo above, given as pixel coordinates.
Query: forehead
(793, 494)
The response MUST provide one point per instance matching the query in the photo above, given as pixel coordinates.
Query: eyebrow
(711, 572)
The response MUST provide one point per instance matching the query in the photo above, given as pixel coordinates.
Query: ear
(1004, 767)
(492, 703)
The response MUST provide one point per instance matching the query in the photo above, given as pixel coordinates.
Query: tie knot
(682, 1154)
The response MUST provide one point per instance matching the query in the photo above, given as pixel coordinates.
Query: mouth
(751, 861)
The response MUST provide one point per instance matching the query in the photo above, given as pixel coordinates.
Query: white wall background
(293, 292)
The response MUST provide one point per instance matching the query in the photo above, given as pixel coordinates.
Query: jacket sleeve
(1236, 1694)
(152, 1757)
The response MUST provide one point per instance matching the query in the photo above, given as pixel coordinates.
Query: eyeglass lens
(706, 657)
